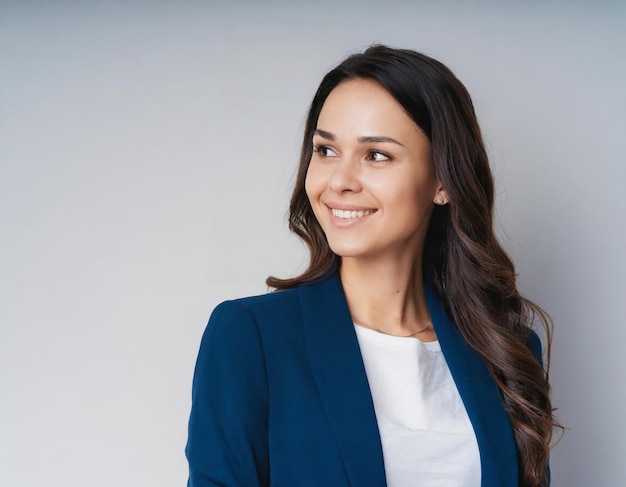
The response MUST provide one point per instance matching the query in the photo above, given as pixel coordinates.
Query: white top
(426, 435)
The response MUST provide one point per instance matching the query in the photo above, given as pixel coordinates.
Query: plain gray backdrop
(147, 153)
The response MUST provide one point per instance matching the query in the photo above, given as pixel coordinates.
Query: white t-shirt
(426, 435)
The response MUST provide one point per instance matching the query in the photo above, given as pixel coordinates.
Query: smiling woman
(404, 355)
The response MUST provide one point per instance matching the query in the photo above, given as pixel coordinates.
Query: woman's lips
(348, 215)
(345, 214)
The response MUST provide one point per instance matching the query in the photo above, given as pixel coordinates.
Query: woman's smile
(347, 216)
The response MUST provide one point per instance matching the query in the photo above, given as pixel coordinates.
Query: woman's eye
(378, 156)
(324, 151)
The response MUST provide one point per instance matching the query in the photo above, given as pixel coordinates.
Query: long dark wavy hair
(462, 256)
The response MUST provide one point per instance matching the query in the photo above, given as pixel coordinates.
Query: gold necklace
(358, 322)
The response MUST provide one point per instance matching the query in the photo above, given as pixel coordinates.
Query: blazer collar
(481, 398)
(341, 380)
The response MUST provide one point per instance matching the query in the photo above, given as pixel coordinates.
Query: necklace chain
(359, 322)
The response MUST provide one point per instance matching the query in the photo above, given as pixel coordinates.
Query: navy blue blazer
(280, 396)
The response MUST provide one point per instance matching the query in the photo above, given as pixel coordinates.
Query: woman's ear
(441, 196)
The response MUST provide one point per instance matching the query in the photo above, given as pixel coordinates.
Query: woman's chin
(354, 250)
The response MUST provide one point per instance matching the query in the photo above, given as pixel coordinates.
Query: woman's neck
(387, 296)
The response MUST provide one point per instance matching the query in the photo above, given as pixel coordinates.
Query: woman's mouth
(345, 214)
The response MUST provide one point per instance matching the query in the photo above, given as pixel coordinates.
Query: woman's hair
(462, 256)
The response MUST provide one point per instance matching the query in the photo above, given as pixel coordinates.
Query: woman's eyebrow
(366, 138)
(379, 138)
(324, 134)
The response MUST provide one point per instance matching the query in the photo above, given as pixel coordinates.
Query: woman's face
(370, 181)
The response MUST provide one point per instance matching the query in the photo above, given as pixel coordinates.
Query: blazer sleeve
(534, 343)
(227, 441)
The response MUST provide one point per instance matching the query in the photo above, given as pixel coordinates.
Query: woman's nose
(345, 177)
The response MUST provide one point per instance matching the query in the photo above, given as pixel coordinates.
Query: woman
(404, 354)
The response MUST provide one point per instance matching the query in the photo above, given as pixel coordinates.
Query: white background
(147, 153)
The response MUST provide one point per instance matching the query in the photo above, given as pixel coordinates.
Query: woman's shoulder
(262, 302)
(271, 311)
(535, 345)
(272, 307)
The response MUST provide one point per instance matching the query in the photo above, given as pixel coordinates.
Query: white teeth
(350, 214)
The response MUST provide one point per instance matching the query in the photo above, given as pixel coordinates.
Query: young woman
(404, 355)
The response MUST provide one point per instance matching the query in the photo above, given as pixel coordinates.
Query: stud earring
(439, 201)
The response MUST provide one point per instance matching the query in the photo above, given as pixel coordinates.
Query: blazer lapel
(341, 380)
(481, 397)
